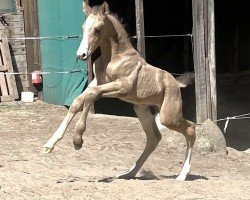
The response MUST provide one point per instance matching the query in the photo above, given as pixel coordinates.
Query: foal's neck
(117, 37)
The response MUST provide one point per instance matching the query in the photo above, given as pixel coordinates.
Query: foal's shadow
(145, 175)
(190, 177)
(148, 175)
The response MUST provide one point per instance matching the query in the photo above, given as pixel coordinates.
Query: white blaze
(84, 47)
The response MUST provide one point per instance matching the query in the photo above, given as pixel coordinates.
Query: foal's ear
(86, 8)
(105, 8)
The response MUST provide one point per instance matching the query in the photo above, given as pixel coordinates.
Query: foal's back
(151, 82)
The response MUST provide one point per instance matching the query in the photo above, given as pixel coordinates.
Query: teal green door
(61, 18)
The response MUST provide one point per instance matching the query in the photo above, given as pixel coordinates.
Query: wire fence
(227, 119)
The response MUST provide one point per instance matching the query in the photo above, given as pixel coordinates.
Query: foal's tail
(185, 79)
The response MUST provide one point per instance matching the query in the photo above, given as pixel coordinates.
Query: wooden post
(204, 60)
(140, 27)
(199, 61)
(212, 58)
(30, 12)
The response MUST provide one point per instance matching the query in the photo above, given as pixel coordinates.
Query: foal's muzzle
(83, 56)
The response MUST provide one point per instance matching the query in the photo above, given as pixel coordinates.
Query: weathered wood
(3, 86)
(20, 58)
(18, 51)
(14, 30)
(30, 8)
(14, 18)
(139, 12)
(2, 68)
(199, 61)
(208, 85)
(10, 79)
(7, 98)
(212, 59)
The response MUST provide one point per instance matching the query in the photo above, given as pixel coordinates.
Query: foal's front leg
(113, 89)
(74, 108)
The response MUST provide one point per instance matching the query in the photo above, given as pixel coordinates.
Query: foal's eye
(97, 31)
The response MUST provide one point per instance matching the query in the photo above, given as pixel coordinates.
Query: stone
(210, 138)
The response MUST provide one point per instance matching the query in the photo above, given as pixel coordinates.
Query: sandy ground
(111, 145)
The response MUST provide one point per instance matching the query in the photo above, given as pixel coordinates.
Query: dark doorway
(232, 31)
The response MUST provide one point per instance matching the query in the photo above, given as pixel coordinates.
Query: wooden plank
(14, 18)
(31, 29)
(139, 13)
(199, 61)
(3, 86)
(17, 30)
(18, 51)
(212, 59)
(208, 86)
(19, 3)
(7, 98)
(2, 68)
(20, 58)
(8, 63)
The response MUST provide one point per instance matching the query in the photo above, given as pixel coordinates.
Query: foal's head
(93, 29)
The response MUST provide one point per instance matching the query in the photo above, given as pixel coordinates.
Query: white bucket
(27, 96)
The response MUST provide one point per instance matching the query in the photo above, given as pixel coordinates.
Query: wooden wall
(17, 47)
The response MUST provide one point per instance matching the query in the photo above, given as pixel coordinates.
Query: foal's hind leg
(187, 128)
(153, 138)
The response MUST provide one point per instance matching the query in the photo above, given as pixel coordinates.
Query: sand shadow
(145, 175)
(106, 180)
(190, 177)
(148, 175)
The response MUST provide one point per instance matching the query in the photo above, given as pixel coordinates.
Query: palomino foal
(124, 74)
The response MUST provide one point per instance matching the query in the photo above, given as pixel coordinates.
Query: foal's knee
(76, 105)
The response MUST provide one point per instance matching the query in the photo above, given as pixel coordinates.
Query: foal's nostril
(83, 55)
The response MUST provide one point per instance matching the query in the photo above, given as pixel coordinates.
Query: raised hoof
(47, 150)
(77, 145)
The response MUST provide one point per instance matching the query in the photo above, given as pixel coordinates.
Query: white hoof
(125, 176)
(129, 174)
(181, 177)
(47, 150)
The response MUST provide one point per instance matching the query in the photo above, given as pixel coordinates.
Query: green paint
(61, 18)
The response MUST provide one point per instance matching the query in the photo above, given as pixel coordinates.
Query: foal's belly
(149, 89)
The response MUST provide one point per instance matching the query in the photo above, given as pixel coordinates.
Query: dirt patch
(111, 145)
